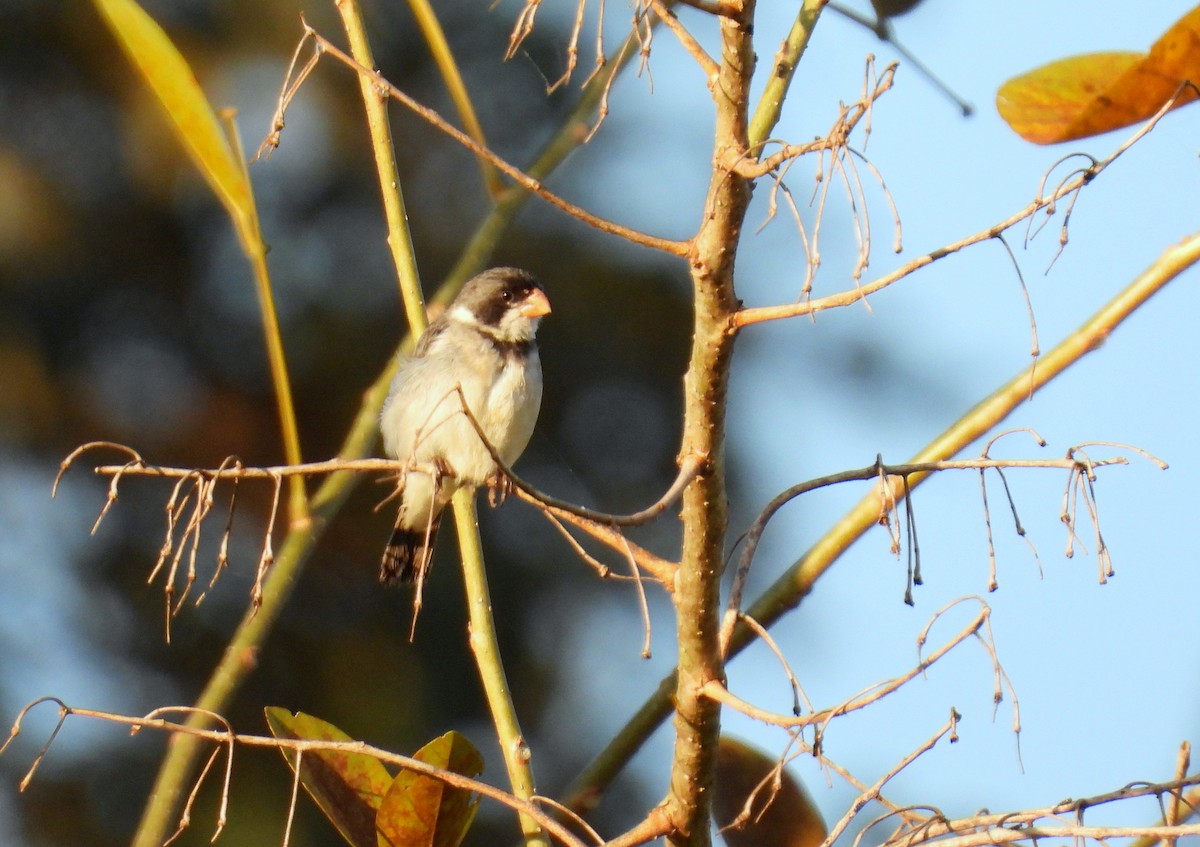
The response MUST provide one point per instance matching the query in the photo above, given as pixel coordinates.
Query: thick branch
(705, 517)
(790, 589)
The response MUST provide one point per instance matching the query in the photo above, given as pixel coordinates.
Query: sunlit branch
(443, 56)
(789, 589)
(783, 69)
(323, 46)
(228, 737)
(836, 139)
(873, 472)
(601, 525)
(375, 105)
(689, 43)
(759, 314)
(873, 793)
(689, 467)
(722, 8)
(719, 692)
(662, 569)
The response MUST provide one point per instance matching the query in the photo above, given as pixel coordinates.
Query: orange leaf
(420, 811)
(1091, 94)
(348, 786)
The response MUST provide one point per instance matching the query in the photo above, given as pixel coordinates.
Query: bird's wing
(430, 337)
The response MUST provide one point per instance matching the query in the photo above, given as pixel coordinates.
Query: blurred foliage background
(127, 313)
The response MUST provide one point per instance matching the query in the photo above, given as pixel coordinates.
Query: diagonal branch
(793, 586)
(323, 46)
(227, 736)
(746, 317)
(880, 471)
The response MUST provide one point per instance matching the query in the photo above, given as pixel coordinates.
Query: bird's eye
(506, 295)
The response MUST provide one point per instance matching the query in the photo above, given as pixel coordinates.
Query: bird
(481, 350)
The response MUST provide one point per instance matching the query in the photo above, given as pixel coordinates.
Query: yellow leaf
(347, 786)
(175, 86)
(1087, 95)
(420, 811)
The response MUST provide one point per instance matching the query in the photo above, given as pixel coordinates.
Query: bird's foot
(499, 485)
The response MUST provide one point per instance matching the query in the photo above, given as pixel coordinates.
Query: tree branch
(793, 586)
(676, 248)
(705, 513)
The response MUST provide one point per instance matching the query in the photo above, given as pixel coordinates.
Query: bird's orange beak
(536, 304)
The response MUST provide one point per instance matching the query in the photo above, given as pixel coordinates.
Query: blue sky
(1105, 678)
(1106, 682)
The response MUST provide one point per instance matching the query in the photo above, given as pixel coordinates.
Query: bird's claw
(499, 485)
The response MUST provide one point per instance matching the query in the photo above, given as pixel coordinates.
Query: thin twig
(227, 736)
(324, 46)
(877, 471)
(866, 797)
(660, 568)
(752, 315)
(716, 690)
(705, 61)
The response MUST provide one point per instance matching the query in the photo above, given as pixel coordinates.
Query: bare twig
(797, 690)
(529, 808)
(689, 43)
(949, 729)
(848, 119)
(297, 765)
(753, 315)
(661, 569)
(877, 471)
(601, 525)
(323, 46)
(643, 606)
(873, 694)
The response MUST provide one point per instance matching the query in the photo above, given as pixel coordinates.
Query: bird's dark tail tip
(408, 554)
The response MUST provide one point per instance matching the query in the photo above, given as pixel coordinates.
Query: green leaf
(776, 817)
(420, 811)
(175, 86)
(347, 786)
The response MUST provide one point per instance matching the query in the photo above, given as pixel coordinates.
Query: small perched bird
(484, 345)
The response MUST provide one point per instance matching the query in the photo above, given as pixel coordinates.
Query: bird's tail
(408, 554)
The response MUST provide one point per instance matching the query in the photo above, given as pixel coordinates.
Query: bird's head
(506, 303)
